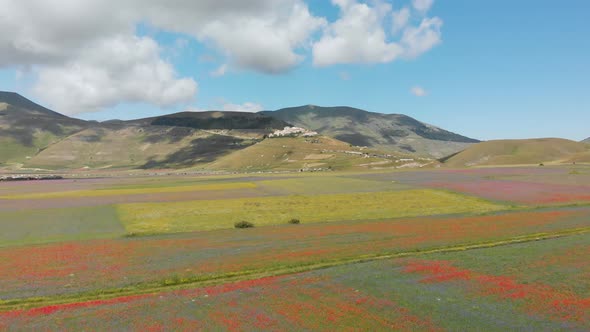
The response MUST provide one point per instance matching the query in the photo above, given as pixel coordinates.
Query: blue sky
(502, 69)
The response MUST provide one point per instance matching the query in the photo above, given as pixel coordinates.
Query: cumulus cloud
(422, 5)
(418, 40)
(126, 68)
(400, 19)
(64, 39)
(358, 36)
(87, 55)
(418, 91)
(220, 71)
(361, 35)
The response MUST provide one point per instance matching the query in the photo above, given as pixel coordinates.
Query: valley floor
(476, 249)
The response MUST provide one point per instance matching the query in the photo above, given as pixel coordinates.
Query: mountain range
(32, 136)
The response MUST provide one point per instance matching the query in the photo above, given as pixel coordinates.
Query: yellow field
(134, 191)
(151, 218)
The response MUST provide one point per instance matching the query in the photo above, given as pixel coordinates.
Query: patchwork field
(483, 249)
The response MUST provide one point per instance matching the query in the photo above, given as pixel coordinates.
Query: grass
(155, 218)
(133, 191)
(517, 152)
(52, 225)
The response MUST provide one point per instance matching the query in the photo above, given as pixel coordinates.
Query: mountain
(587, 140)
(390, 132)
(33, 136)
(214, 120)
(144, 147)
(27, 128)
(519, 152)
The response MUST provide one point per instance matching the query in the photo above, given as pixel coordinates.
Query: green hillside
(518, 152)
(391, 132)
(137, 147)
(27, 128)
(321, 152)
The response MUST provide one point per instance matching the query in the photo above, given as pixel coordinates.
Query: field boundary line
(172, 284)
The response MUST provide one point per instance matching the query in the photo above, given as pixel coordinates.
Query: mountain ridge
(393, 132)
(36, 137)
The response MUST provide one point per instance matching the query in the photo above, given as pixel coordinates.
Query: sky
(485, 69)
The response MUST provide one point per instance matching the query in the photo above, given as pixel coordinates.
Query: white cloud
(58, 37)
(266, 43)
(87, 55)
(220, 71)
(418, 40)
(361, 35)
(126, 68)
(419, 91)
(400, 19)
(357, 37)
(245, 107)
(422, 5)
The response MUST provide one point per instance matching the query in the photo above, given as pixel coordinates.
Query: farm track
(188, 283)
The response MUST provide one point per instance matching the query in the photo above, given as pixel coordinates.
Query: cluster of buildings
(293, 132)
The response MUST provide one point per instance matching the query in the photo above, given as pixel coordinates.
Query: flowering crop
(74, 267)
(307, 302)
(537, 299)
(520, 191)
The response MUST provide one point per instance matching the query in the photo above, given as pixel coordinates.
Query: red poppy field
(525, 267)
(431, 293)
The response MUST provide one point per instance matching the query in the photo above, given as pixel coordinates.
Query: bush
(294, 221)
(243, 224)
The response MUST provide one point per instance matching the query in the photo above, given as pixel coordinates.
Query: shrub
(243, 224)
(294, 221)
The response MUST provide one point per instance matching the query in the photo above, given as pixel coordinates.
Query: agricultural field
(433, 250)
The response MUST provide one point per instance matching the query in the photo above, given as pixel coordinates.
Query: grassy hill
(27, 128)
(321, 152)
(137, 147)
(517, 152)
(391, 132)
